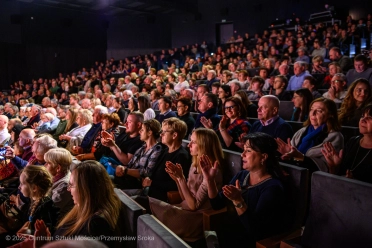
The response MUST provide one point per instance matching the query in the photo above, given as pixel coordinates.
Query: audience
(301, 101)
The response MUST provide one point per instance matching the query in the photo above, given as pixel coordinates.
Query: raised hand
(332, 157)
(206, 123)
(223, 122)
(174, 170)
(41, 230)
(209, 171)
(233, 192)
(293, 153)
(283, 147)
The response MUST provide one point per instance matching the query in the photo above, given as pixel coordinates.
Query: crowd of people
(73, 138)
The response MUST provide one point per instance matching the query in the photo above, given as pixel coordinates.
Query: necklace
(356, 155)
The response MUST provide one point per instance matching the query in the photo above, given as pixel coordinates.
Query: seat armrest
(174, 197)
(212, 219)
(274, 241)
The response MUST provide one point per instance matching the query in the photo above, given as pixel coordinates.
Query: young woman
(224, 92)
(193, 191)
(301, 101)
(358, 95)
(144, 106)
(96, 211)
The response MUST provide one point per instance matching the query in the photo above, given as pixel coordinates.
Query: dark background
(41, 41)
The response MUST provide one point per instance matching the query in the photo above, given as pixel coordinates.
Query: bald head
(268, 107)
(4, 120)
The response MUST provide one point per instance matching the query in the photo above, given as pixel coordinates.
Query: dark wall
(52, 40)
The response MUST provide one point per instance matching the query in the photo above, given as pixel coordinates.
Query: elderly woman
(256, 192)
(57, 162)
(46, 119)
(97, 209)
(75, 136)
(144, 159)
(356, 161)
(193, 190)
(322, 126)
(358, 96)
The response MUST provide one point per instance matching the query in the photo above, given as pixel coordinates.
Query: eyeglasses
(229, 107)
(70, 186)
(336, 81)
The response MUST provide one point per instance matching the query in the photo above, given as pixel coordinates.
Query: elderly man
(126, 95)
(109, 103)
(53, 123)
(165, 104)
(269, 121)
(4, 134)
(301, 51)
(360, 70)
(35, 115)
(295, 82)
(344, 61)
(86, 104)
(200, 92)
(337, 91)
(211, 78)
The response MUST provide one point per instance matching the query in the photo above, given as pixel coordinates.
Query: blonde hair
(59, 156)
(96, 191)
(177, 126)
(86, 115)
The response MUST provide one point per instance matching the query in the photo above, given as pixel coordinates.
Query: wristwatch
(239, 205)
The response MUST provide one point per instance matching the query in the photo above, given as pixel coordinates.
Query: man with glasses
(337, 91)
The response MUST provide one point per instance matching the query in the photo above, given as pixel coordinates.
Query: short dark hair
(166, 99)
(361, 57)
(186, 101)
(212, 98)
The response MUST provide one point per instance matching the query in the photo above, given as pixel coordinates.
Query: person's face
(306, 84)
(106, 125)
(361, 93)
(278, 84)
(52, 170)
(318, 114)
(365, 124)
(80, 120)
(359, 66)
(181, 109)
(298, 69)
(241, 77)
(116, 104)
(144, 133)
(23, 186)
(337, 84)
(44, 118)
(132, 125)
(203, 104)
(210, 76)
(72, 101)
(194, 151)
(61, 114)
(108, 102)
(34, 111)
(256, 86)
(231, 110)
(167, 135)
(263, 74)
(265, 109)
(251, 160)
(72, 188)
(200, 92)
(215, 90)
(333, 55)
(163, 106)
(297, 100)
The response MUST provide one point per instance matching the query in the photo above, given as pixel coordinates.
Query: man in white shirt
(336, 92)
(182, 83)
(4, 134)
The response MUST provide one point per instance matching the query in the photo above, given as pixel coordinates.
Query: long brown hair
(331, 109)
(96, 192)
(349, 105)
(72, 120)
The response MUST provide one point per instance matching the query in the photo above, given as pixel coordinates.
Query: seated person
(76, 135)
(250, 107)
(357, 97)
(143, 160)
(224, 92)
(97, 210)
(269, 120)
(165, 107)
(183, 113)
(361, 70)
(280, 85)
(35, 183)
(45, 126)
(301, 101)
(310, 84)
(257, 192)
(317, 67)
(71, 115)
(120, 149)
(256, 86)
(336, 92)
(208, 112)
(355, 159)
(333, 68)
(192, 189)
(57, 162)
(321, 126)
(159, 183)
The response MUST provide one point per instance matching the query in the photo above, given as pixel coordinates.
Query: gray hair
(45, 143)
(342, 76)
(102, 109)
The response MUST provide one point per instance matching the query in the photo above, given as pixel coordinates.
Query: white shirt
(4, 136)
(181, 85)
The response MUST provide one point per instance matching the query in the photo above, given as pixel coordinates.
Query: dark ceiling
(122, 7)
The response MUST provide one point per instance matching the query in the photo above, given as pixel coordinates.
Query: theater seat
(152, 233)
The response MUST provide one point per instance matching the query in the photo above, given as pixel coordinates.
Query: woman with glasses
(357, 97)
(233, 123)
(186, 218)
(97, 209)
(321, 126)
(183, 113)
(355, 159)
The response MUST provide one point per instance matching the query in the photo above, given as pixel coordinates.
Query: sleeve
(284, 131)
(220, 200)
(19, 163)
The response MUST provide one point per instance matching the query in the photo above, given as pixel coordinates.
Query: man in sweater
(360, 70)
(165, 104)
(269, 121)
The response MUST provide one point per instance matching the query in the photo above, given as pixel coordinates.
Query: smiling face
(231, 110)
(361, 93)
(251, 159)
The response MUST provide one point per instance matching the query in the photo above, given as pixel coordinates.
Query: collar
(300, 75)
(269, 121)
(166, 112)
